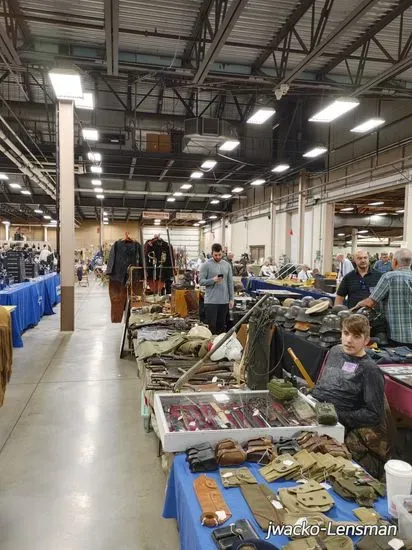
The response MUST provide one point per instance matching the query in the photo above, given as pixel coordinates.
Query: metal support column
(301, 216)
(327, 228)
(67, 239)
(7, 228)
(223, 231)
(273, 224)
(407, 217)
(45, 234)
(354, 240)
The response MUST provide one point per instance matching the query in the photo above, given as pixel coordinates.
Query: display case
(187, 419)
(399, 373)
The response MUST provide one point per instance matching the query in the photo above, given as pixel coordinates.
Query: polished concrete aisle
(77, 470)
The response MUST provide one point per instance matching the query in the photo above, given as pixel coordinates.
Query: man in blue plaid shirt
(395, 290)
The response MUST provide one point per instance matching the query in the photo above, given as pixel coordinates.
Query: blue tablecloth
(254, 284)
(181, 504)
(32, 300)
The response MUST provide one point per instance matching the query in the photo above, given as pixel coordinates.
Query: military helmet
(288, 302)
(302, 317)
(292, 312)
(338, 308)
(302, 327)
(344, 314)
(297, 303)
(280, 316)
(307, 301)
(318, 306)
(331, 323)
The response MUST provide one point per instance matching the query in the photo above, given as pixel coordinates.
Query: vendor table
(32, 299)
(398, 387)
(311, 355)
(181, 504)
(253, 284)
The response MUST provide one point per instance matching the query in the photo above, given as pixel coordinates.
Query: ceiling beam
(278, 38)
(353, 17)
(196, 33)
(231, 17)
(111, 27)
(391, 72)
(367, 35)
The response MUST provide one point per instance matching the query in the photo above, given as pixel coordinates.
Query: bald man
(357, 285)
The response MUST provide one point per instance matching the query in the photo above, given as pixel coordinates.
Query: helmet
(331, 323)
(288, 302)
(292, 312)
(307, 301)
(302, 317)
(302, 327)
(280, 316)
(340, 307)
(297, 303)
(344, 314)
(318, 306)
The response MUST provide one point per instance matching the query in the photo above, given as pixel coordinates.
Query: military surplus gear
(254, 545)
(229, 453)
(287, 446)
(280, 316)
(303, 411)
(302, 317)
(263, 511)
(344, 314)
(214, 508)
(288, 302)
(324, 444)
(260, 450)
(319, 307)
(326, 414)
(292, 312)
(349, 489)
(335, 542)
(282, 390)
(225, 537)
(381, 542)
(312, 518)
(297, 303)
(302, 327)
(233, 477)
(307, 301)
(309, 497)
(331, 323)
(275, 502)
(201, 458)
(367, 515)
(280, 467)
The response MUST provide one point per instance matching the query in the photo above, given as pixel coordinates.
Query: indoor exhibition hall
(206, 275)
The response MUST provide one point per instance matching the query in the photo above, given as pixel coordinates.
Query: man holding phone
(216, 275)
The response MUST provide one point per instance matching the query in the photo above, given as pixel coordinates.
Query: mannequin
(124, 253)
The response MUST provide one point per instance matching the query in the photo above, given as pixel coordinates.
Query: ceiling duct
(203, 135)
(369, 221)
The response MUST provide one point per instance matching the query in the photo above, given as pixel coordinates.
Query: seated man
(266, 270)
(355, 385)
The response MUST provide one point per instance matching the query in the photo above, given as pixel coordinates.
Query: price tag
(301, 481)
(221, 515)
(396, 544)
(288, 462)
(325, 485)
(276, 504)
(228, 474)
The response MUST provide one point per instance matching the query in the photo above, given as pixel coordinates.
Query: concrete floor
(77, 470)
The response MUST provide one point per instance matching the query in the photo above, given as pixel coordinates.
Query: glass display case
(186, 419)
(399, 373)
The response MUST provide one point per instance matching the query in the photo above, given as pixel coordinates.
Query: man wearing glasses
(358, 284)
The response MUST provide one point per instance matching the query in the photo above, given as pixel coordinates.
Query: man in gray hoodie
(216, 275)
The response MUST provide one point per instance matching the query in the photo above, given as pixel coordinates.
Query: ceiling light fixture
(315, 152)
(209, 164)
(261, 115)
(86, 102)
(15, 185)
(90, 134)
(213, 217)
(202, 221)
(95, 157)
(363, 231)
(47, 217)
(38, 211)
(3, 177)
(377, 203)
(237, 189)
(6, 222)
(336, 109)
(196, 225)
(257, 182)
(96, 169)
(226, 196)
(98, 189)
(177, 194)
(96, 182)
(196, 175)
(280, 168)
(101, 197)
(381, 214)
(341, 234)
(25, 192)
(105, 223)
(170, 199)
(368, 125)
(66, 84)
(399, 211)
(229, 145)
(105, 213)
(214, 201)
(186, 186)
(348, 209)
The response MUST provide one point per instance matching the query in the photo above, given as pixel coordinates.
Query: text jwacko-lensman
(305, 529)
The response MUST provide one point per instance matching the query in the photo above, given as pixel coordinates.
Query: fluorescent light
(66, 84)
(341, 234)
(315, 152)
(229, 145)
(177, 194)
(186, 186)
(213, 217)
(38, 211)
(6, 222)
(96, 182)
(95, 157)
(96, 169)
(86, 102)
(368, 125)
(105, 213)
(261, 115)
(15, 185)
(47, 217)
(381, 214)
(378, 203)
(348, 209)
(214, 201)
(363, 231)
(257, 182)
(280, 168)
(226, 196)
(90, 134)
(98, 189)
(170, 199)
(25, 192)
(209, 164)
(196, 225)
(202, 221)
(237, 189)
(336, 109)
(196, 175)
(105, 223)
(399, 211)
(3, 177)
(100, 197)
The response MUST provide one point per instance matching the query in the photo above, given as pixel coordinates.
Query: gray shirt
(217, 293)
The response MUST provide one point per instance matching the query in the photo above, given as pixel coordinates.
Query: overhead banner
(156, 215)
(188, 216)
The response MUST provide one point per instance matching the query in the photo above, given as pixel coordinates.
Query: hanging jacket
(122, 255)
(158, 260)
